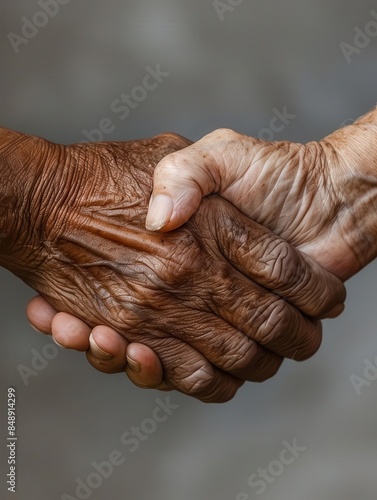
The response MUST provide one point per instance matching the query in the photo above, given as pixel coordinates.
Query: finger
(144, 368)
(181, 179)
(40, 314)
(222, 345)
(188, 371)
(207, 384)
(107, 350)
(268, 320)
(70, 332)
(277, 266)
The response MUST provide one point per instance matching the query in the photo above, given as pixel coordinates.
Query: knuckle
(255, 364)
(223, 133)
(202, 385)
(209, 386)
(281, 267)
(182, 259)
(240, 357)
(314, 300)
(304, 283)
(281, 264)
(200, 382)
(322, 292)
(308, 287)
(275, 319)
(173, 140)
(167, 166)
(284, 332)
(176, 165)
(175, 259)
(232, 235)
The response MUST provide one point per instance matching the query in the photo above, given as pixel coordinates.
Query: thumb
(181, 179)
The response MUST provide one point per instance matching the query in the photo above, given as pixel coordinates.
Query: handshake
(193, 267)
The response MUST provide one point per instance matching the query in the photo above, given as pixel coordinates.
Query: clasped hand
(220, 300)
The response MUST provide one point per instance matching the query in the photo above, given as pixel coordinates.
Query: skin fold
(217, 300)
(319, 196)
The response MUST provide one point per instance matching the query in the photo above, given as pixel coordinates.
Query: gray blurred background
(230, 70)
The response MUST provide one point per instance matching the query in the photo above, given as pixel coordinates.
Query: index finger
(274, 264)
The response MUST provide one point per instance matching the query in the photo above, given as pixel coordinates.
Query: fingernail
(160, 211)
(57, 343)
(97, 351)
(134, 365)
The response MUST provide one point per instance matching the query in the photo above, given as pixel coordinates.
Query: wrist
(351, 164)
(10, 195)
(24, 170)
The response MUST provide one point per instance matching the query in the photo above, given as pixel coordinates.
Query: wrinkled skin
(199, 296)
(320, 196)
